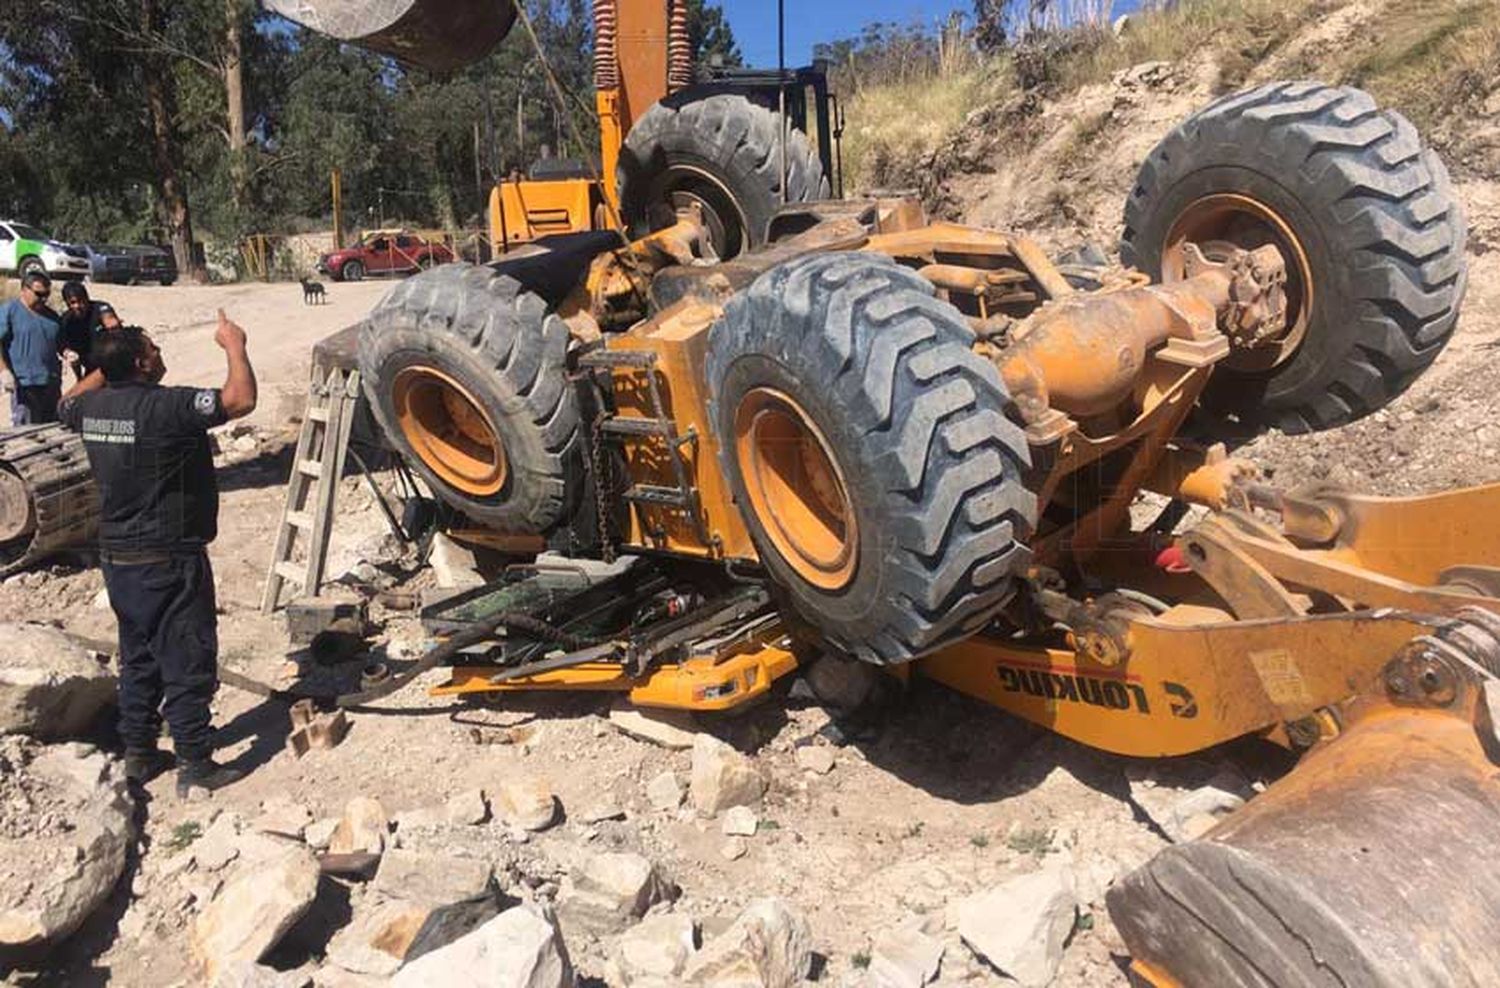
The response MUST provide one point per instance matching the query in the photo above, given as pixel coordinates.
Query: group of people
(149, 451)
(35, 340)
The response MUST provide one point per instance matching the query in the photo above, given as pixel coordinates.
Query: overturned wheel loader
(919, 445)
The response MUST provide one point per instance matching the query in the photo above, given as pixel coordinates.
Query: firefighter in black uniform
(149, 450)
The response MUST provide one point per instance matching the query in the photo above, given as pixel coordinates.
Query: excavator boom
(439, 35)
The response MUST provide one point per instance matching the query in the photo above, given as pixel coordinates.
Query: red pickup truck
(383, 252)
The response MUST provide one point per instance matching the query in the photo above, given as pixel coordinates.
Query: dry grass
(1242, 32)
(891, 126)
(1432, 58)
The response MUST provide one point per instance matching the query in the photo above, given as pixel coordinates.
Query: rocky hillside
(1056, 161)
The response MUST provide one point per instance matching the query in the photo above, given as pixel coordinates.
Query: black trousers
(34, 404)
(169, 648)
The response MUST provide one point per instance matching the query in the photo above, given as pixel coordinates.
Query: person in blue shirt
(30, 353)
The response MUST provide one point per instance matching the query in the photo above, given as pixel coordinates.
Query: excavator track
(48, 501)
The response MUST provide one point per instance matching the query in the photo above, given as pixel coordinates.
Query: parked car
(111, 263)
(381, 252)
(155, 264)
(24, 248)
(126, 265)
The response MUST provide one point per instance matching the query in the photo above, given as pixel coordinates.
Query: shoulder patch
(204, 403)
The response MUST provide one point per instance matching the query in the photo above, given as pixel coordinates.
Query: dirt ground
(281, 330)
(943, 798)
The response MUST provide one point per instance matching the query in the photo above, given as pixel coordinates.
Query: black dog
(313, 291)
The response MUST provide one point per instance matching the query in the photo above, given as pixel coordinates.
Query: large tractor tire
(465, 374)
(1362, 212)
(1368, 865)
(722, 153)
(870, 452)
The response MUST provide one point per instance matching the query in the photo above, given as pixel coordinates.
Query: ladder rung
(654, 494)
(317, 413)
(618, 358)
(288, 570)
(311, 468)
(632, 426)
(300, 519)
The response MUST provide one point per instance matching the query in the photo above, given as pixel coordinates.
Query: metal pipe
(781, 86)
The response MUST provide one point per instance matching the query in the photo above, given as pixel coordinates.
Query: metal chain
(602, 505)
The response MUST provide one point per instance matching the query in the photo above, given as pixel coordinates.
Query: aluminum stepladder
(322, 446)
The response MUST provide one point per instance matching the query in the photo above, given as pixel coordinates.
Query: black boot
(204, 774)
(144, 764)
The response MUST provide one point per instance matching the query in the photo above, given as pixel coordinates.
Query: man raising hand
(149, 450)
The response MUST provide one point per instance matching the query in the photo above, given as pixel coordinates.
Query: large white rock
(1185, 798)
(468, 808)
(65, 825)
(528, 804)
(664, 792)
(376, 941)
(815, 758)
(604, 893)
(50, 686)
(655, 950)
(417, 903)
(283, 818)
(904, 957)
(364, 828)
(453, 566)
(259, 903)
(520, 948)
(674, 729)
(846, 684)
(722, 777)
(1021, 926)
(739, 821)
(769, 946)
(432, 879)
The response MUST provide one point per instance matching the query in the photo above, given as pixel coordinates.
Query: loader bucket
(1371, 864)
(439, 35)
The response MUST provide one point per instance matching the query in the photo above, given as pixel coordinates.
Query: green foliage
(1036, 841)
(183, 835)
(76, 144)
(860, 959)
(712, 40)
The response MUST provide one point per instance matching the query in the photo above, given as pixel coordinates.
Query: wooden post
(337, 179)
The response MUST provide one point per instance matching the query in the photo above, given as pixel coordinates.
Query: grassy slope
(1435, 60)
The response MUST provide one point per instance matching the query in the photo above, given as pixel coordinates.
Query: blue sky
(809, 22)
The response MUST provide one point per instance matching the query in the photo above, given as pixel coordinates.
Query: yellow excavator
(918, 445)
(654, 107)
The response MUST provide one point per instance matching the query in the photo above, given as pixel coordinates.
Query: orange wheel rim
(449, 430)
(796, 489)
(1218, 222)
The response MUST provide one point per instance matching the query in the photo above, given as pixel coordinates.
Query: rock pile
(65, 826)
(51, 688)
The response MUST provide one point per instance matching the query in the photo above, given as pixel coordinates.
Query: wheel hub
(686, 187)
(796, 488)
(449, 430)
(1218, 224)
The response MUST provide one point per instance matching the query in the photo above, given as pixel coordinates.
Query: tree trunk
(161, 98)
(234, 90)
